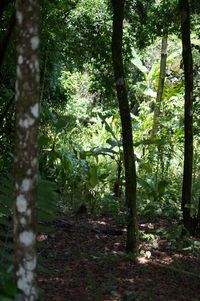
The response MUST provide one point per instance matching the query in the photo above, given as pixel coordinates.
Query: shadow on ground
(85, 261)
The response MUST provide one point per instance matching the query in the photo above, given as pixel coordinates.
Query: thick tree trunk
(129, 161)
(188, 115)
(26, 162)
(163, 61)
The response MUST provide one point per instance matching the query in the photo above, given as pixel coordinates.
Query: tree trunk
(26, 162)
(129, 161)
(161, 82)
(188, 115)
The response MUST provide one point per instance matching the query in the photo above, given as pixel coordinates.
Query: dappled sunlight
(99, 150)
(98, 222)
(41, 237)
(55, 279)
(142, 260)
(87, 264)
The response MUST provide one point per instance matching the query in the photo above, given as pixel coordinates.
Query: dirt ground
(85, 260)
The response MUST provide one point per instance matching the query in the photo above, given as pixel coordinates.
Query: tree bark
(26, 162)
(129, 161)
(188, 114)
(161, 82)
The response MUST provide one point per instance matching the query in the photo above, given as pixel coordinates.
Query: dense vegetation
(119, 119)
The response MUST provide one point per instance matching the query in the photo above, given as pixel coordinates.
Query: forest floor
(85, 260)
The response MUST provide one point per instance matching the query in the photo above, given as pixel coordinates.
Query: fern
(47, 199)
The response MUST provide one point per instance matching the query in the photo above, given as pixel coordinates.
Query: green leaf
(98, 151)
(83, 155)
(47, 200)
(162, 186)
(197, 243)
(61, 123)
(44, 229)
(148, 142)
(112, 142)
(103, 151)
(136, 61)
(10, 287)
(143, 183)
(54, 155)
(150, 92)
(147, 166)
(44, 140)
(174, 55)
(93, 176)
(67, 164)
(108, 127)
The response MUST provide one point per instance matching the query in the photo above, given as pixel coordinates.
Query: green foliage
(7, 284)
(81, 149)
(47, 208)
(46, 199)
(80, 142)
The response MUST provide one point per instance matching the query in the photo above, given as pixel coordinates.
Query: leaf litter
(85, 260)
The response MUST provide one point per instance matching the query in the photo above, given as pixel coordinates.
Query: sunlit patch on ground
(87, 265)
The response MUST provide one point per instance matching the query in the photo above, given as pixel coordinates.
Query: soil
(85, 260)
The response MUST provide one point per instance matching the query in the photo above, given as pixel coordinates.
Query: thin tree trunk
(188, 115)
(6, 38)
(129, 161)
(163, 61)
(26, 162)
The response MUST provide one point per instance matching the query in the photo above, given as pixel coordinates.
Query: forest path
(85, 261)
